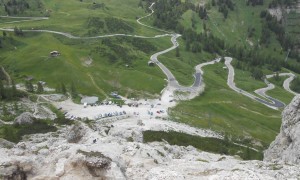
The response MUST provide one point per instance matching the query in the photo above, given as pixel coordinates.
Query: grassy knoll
(203, 143)
(223, 110)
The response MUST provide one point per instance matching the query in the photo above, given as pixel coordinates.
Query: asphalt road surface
(172, 82)
(269, 101)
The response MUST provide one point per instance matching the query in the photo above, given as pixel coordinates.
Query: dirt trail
(95, 84)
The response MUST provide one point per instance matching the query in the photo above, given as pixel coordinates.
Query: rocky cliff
(115, 150)
(286, 147)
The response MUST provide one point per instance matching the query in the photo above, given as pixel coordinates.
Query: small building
(89, 100)
(54, 53)
(151, 63)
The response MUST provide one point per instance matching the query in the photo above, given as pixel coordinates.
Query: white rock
(44, 152)
(24, 118)
(18, 152)
(136, 160)
(286, 147)
(60, 167)
(21, 145)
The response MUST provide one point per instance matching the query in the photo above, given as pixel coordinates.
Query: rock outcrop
(286, 147)
(15, 170)
(6, 144)
(97, 163)
(24, 118)
(80, 152)
(76, 133)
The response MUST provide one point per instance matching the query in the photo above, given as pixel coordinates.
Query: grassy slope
(30, 58)
(203, 143)
(222, 109)
(292, 25)
(245, 81)
(76, 14)
(219, 106)
(234, 31)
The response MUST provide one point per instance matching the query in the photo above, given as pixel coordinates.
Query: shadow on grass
(213, 145)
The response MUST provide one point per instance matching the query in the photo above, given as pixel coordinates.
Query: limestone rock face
(286, 147)
(15, 170)
(76, 133)
(98, 166)
(71, 153)
(24, 118)
(89, 165)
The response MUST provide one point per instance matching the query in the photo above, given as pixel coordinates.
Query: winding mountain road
(68, 35)
(151, 27)
(262, 92)
(268, 100)
(172, 82)
(270, 86)
(287, 82)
